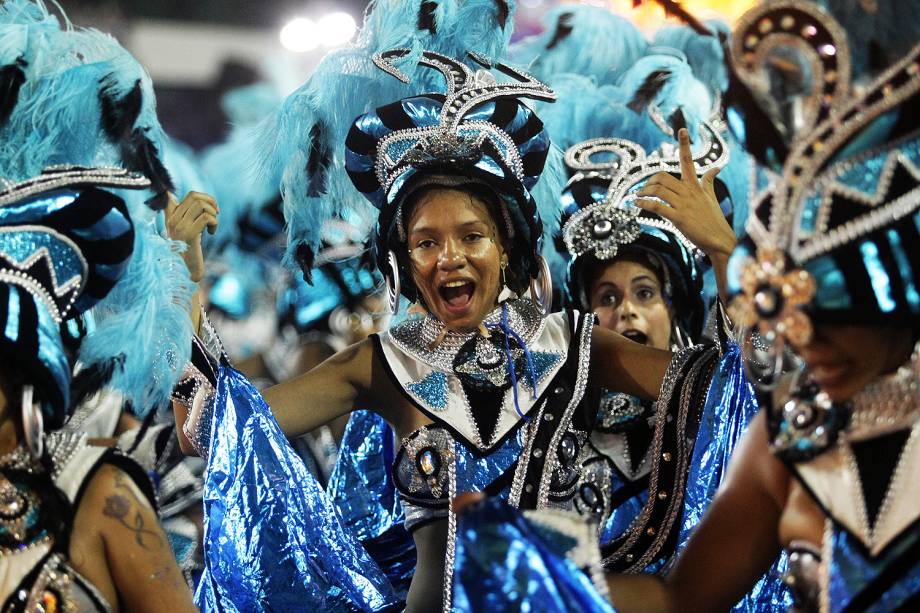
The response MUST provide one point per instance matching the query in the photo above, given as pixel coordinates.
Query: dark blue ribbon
(509, 332)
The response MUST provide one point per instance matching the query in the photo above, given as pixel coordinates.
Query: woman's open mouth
(636, 336)
(457, 295)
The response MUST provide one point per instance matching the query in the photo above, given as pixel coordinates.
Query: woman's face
(456, 257)
(844, 359)
(626, 297)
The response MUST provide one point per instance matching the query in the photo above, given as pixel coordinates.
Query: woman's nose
(627, 309)
(451, 256)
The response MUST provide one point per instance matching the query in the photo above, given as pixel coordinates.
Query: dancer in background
(79, 528)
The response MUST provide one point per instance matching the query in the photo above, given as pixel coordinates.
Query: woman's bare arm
(620, 364)
(733, 545)
(119, 545)
(302, 404)
(319, 396)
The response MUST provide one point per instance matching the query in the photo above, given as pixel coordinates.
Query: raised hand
(691, 204)
(693, 208)
(186, 221)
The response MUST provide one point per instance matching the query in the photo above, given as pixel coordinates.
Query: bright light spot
(336, 29)
(300, 35)
(650, 15)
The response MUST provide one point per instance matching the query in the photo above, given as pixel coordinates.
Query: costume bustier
(859, 462)
(37, 573)
(519, 444)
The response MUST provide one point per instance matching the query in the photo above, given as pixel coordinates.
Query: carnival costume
(64, 243)
(81, 99)
(835, 242)
(601, 224)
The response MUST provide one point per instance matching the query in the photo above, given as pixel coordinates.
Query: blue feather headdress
(581, 39)
(64, 244)
(309, 130)
(240, 191)
(85, 101)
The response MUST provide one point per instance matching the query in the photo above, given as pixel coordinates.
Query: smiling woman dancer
(485, 390)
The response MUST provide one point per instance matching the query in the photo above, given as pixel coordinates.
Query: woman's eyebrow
(605, 285)
(475, 222)
(462, 226)
(644, 278)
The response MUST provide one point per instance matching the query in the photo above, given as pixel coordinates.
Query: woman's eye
(609, 300)
(645, 293)
(473, 237)
(424, 244)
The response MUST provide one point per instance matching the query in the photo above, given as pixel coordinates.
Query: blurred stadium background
(196, 50)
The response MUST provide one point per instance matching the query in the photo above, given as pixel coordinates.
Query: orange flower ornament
(772, 298)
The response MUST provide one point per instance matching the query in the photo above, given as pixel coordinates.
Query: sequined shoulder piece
(60, 177)
(465, 381)
(72, 459)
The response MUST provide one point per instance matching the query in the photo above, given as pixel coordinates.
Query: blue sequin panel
(431, 390)
(17, 246)
(865, 176)
(475, 473)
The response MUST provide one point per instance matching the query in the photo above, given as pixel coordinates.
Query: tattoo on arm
(119, 508)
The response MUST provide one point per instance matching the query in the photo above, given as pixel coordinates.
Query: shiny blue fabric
(730, 407)
(361, 487)
(852, 572)
(273, 541)
(475, 473)
(621, 517)
(504, 563)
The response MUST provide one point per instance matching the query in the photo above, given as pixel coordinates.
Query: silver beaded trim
(882, 213)
(452, 137)
(602, 227)
(581, 384)
(804, 167)
(62, 446)
(787, 24)
(17, 275)
(517, 484)
(450, 553)
(418, 338)
(678, 362)
(57, 177)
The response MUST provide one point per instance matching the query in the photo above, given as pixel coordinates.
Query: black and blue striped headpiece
(64, 243)
(845, 213)
(599, 221)
(476, 132)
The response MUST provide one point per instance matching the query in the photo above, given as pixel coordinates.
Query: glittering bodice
(480, 386)
(860, 462)
(530, 375)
